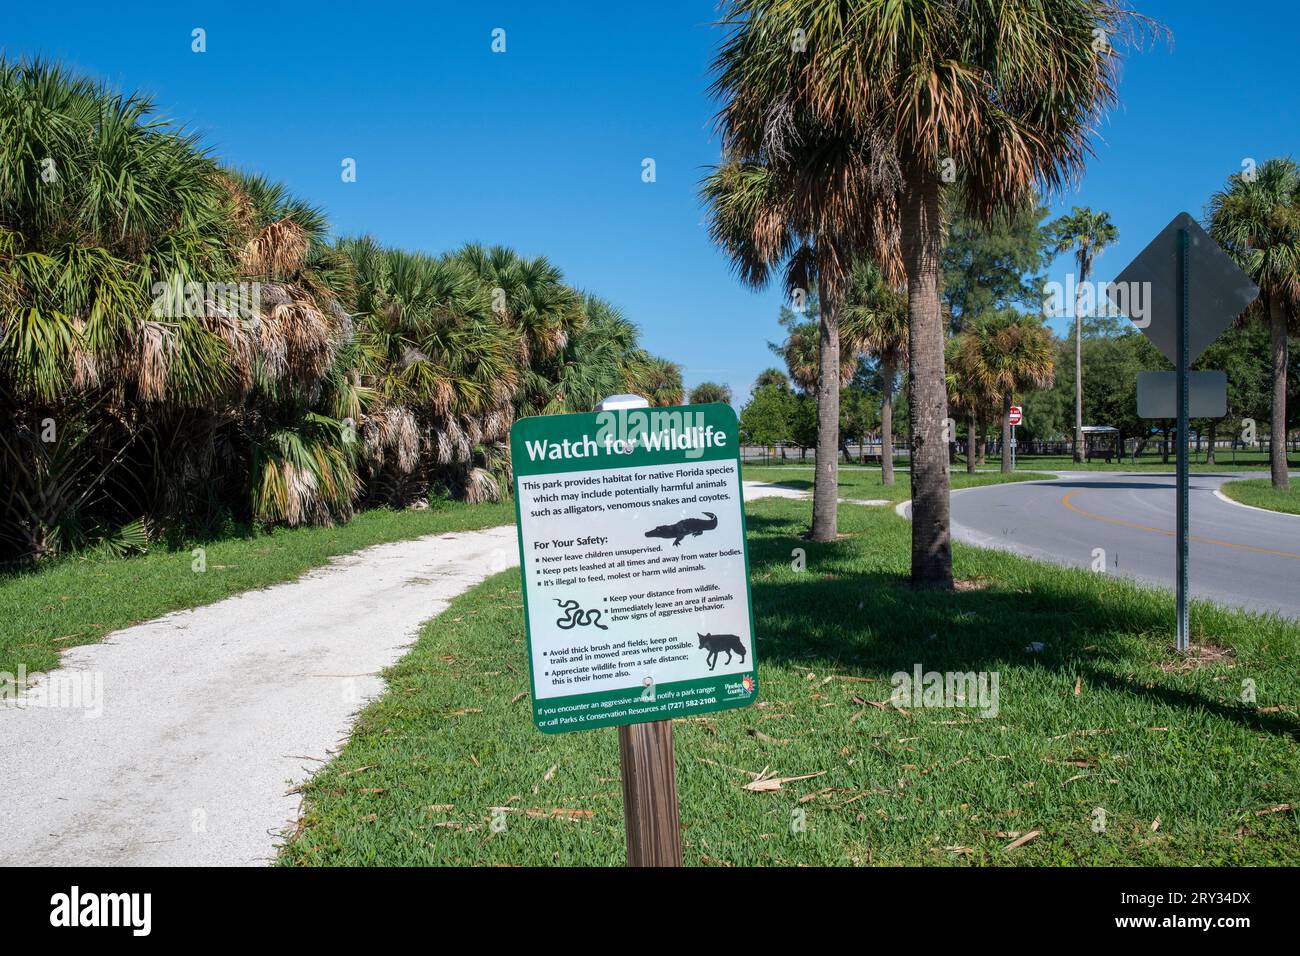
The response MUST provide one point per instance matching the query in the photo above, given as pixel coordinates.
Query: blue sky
(541, 147)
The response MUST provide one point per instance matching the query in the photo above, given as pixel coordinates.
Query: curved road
(1239, 556)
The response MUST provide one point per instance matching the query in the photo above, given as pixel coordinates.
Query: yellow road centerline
(1071, 506)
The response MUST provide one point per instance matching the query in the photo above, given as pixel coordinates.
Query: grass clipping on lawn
(1100, 752)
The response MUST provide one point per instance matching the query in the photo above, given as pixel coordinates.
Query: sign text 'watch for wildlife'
(635, 573)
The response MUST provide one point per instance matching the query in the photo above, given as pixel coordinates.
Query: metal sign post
(1182, 310)
(1015, 416)
(1184, 362)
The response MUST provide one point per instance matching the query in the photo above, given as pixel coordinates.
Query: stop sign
(1014, 416)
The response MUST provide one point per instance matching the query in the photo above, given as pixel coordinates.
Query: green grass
(1260, 493)
(80, 599)
(1245, 461)
(864, 483)
(1103, 718)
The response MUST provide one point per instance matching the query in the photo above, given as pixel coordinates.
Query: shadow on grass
(870, 622)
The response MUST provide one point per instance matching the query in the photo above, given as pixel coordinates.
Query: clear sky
(541, 147)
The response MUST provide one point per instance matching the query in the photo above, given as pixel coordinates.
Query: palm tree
(1088, 233)
(752, 220)
(442, 365)
(771, 376)
(291, 360)
(1008, 353)
(709, 392)
(528, 294)
(802, 355)
(1005, 94)
(967, 392)
(1257, 221)
(875, 316)
(769, 206)
(599, 360)
(657, 380)
(99, 201)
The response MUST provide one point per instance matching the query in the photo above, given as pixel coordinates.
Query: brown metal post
(650, 794)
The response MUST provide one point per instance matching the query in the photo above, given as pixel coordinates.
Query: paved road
(211, 717)
(1238, 556)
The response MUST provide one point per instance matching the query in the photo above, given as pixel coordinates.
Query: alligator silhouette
(679, 530)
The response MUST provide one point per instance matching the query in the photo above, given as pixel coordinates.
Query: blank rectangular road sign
(1157, 394)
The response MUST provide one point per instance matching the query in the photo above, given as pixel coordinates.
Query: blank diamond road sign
(1218, 290)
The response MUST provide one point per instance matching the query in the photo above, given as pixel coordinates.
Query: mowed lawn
(864, 484)
(1226, 462)
(82, 598)
(1260, 493)
(1107, 748)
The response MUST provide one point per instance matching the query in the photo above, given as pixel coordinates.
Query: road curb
(1268, 511)
(901, 508)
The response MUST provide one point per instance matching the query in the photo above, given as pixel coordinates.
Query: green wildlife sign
(635, 570)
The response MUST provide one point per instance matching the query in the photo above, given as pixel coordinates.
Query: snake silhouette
(574, 615)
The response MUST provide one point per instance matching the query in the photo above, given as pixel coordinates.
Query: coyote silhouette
(679, 530)
(717, 643)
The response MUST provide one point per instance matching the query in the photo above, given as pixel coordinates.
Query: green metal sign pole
(1182, 325)
(1184, 361)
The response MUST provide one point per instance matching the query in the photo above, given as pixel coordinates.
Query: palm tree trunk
(1277, 438)
(1209, 451)
(928, 396)
(1006, 433)
(1078, 363)
(887, 372)
(826, 479)
(971, 439)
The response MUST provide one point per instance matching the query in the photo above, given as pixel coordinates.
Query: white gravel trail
(211, 716)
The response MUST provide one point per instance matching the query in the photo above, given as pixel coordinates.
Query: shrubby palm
(292, 359)
(443, 367)
(599, 360)
(145, 398)
(529, 295)
(84, 358)
(657, 380)
(710, 392)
